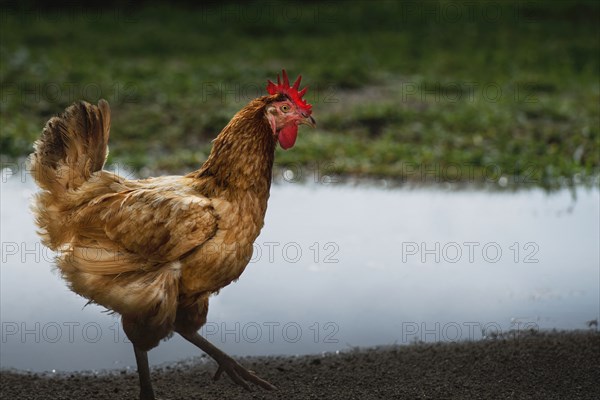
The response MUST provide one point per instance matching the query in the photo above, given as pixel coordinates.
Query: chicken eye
(285, 108)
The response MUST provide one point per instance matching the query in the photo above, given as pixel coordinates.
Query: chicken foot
(236, 372)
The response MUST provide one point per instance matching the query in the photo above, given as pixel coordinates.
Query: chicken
(154, 250)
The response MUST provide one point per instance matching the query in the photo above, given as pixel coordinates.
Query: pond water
(335, 267)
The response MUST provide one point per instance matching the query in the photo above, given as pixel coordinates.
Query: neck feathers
(242, 155)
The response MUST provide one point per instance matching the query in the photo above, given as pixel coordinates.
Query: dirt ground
(547, 366)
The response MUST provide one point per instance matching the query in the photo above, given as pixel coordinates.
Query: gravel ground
(557, 365)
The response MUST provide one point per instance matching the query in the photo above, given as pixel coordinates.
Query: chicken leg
(236, 372)
(141, 358)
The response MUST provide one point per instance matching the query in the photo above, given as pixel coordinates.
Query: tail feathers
(72, 147)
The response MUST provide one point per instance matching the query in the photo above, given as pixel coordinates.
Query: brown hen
(154, 250)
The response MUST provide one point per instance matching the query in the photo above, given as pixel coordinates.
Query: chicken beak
(310, 121)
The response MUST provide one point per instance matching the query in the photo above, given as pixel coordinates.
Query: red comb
(291, 92)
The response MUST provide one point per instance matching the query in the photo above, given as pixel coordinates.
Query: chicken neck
(241, 159)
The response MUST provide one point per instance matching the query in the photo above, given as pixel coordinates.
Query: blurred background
(450, 191)
(476, 90)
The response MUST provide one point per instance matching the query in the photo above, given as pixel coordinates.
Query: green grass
(474, 91)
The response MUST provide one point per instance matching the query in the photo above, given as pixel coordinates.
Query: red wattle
(287, 136)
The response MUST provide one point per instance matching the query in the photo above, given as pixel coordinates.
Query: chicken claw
(240, 375)
(236, 372)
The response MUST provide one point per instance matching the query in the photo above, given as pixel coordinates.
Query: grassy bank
(435, 91)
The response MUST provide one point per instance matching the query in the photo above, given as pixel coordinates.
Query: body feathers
(153, 249)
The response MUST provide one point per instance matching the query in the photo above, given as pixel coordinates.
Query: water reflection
(337, 266)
